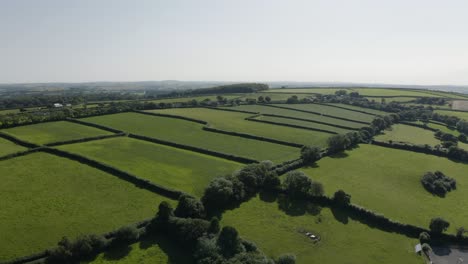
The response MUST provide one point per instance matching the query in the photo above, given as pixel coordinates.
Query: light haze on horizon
(372, 41)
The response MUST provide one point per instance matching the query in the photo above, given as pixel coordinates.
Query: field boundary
(317, 113)
(311, 121)
(139, 182)
(418, 125)
(195, 149)
(81, 122)
(20, 153)
(289, 125)
(349, 109)
(82, 140)
(18, 141)
(173, 116)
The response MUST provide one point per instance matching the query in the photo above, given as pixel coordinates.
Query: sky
(372, 41)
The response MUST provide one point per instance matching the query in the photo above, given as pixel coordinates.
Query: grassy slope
(174, 168)
(232, 121)
(45, 197)
(302, 123)
(276, 233)
(388, 181)
(198, 98)
(391, 99)
(409, 134)
(362, 91)
(297, 114)
(462, 115)
(334, 111)
(190, 133)
(50, 132)
(159, 250)
(8, 147)
(368, 110)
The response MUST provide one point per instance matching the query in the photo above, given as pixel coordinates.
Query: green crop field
(160, 250)
(45, 197)
(409, 134)
(50, 132)
(293, 113)
(277, 231)
(190, 133)
(388, 181)
(170, 167)
(232, 121)
(302, 123)
(462, 115)
(334, 111)
(8, 147)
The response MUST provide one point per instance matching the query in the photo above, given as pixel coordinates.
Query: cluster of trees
(340, 142)
(231, 88)
(430, 100)
(295, 100)
(298, 185)
(438, 183)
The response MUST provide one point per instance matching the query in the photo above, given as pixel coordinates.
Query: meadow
(462, 115)
(8, 147)
(233, 121)
(409, 134)
(302, 123)
(293, 113)
(50, 132)
(364, 91)
(45, 197)
(387, 181)
(367, 110)
(190, 133)
(277, 230)
(170, 167)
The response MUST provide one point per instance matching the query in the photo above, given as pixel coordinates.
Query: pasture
(365, 92)
(170, 167)
(462, 115)
(409, 134)
(233, 121)
(387, 181)
(45, 197)
(8, 147)
(277, 228)
(190, 133)
(367, 110)
(44, 133)
(288, 121)
(293, 113)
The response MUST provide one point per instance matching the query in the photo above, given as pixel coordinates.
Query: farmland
(8, 147)
(277, 231)
(232, 121)
(53, 197)
(301, 123)
(368, 92)
(409, 134)
(462, 115)
(189, 133)
(54, 131)
(388, 181)
(158, 163)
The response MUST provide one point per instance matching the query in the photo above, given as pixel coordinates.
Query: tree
(438, 225)
(424, 237)
(292, 100)
(267, 99)
(462, 137)
(286, 259)
(214, 226)
(229, 242)
(218, 193)
(125, 235)
(317, 189)
(337, 143)
(341, 198)
(165, 211)
(189, 207)
(341, 92)
(460, 232)
(261, 99)
(310, 154)
(299, 185)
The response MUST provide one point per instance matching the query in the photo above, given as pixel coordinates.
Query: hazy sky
(392, 41)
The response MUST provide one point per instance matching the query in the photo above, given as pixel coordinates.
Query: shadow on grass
(340, 215)
(175, 253)
(339, 155)
(117, 252)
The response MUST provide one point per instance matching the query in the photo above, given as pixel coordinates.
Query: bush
(338, 143)
(341, 198)
(286, 259)
(438, 225)
(437, 183)
(298, 185)
(189, 207)
(424, 237)
(310, 154)
(125, 235)
(229, 242)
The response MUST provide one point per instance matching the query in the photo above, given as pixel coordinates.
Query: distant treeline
(224, 89)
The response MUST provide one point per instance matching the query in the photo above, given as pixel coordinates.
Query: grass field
(293, 113)
(307, 90)
(388, 181)
(346, 241)
(368, 110)
(409, 134)
(50, 132)
(462, 115)
(391, 99)
(174, 168)
(232, 121)
(302, 123)
(200, 98)
(45, 197)
(363, 91)
(334, 111)
(8, 147)
(190, 133)
(158, 250)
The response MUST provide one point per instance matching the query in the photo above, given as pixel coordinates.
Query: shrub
(125, 235)
(338, 143)
(297, 184)
(341, 198)
(424, 237)
(189, 207)
(437, 183)
(438, 225)
(310, 154)
(286, 259)
(229, 242)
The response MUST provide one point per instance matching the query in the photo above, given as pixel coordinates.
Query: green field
(170, 167)
(391, 99)
(232, 121)
(274, 96)
(50, 132)
(293, 113)
(45, 197)
(368, 110)
(388, 181)
(200, 98)
(302, 123)
(462, 115)
(346, 241)
(8, 147)
(364, 91)
(307, 90)
(333, 111)
(158, 250)
(190, 133)
(409, 134)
